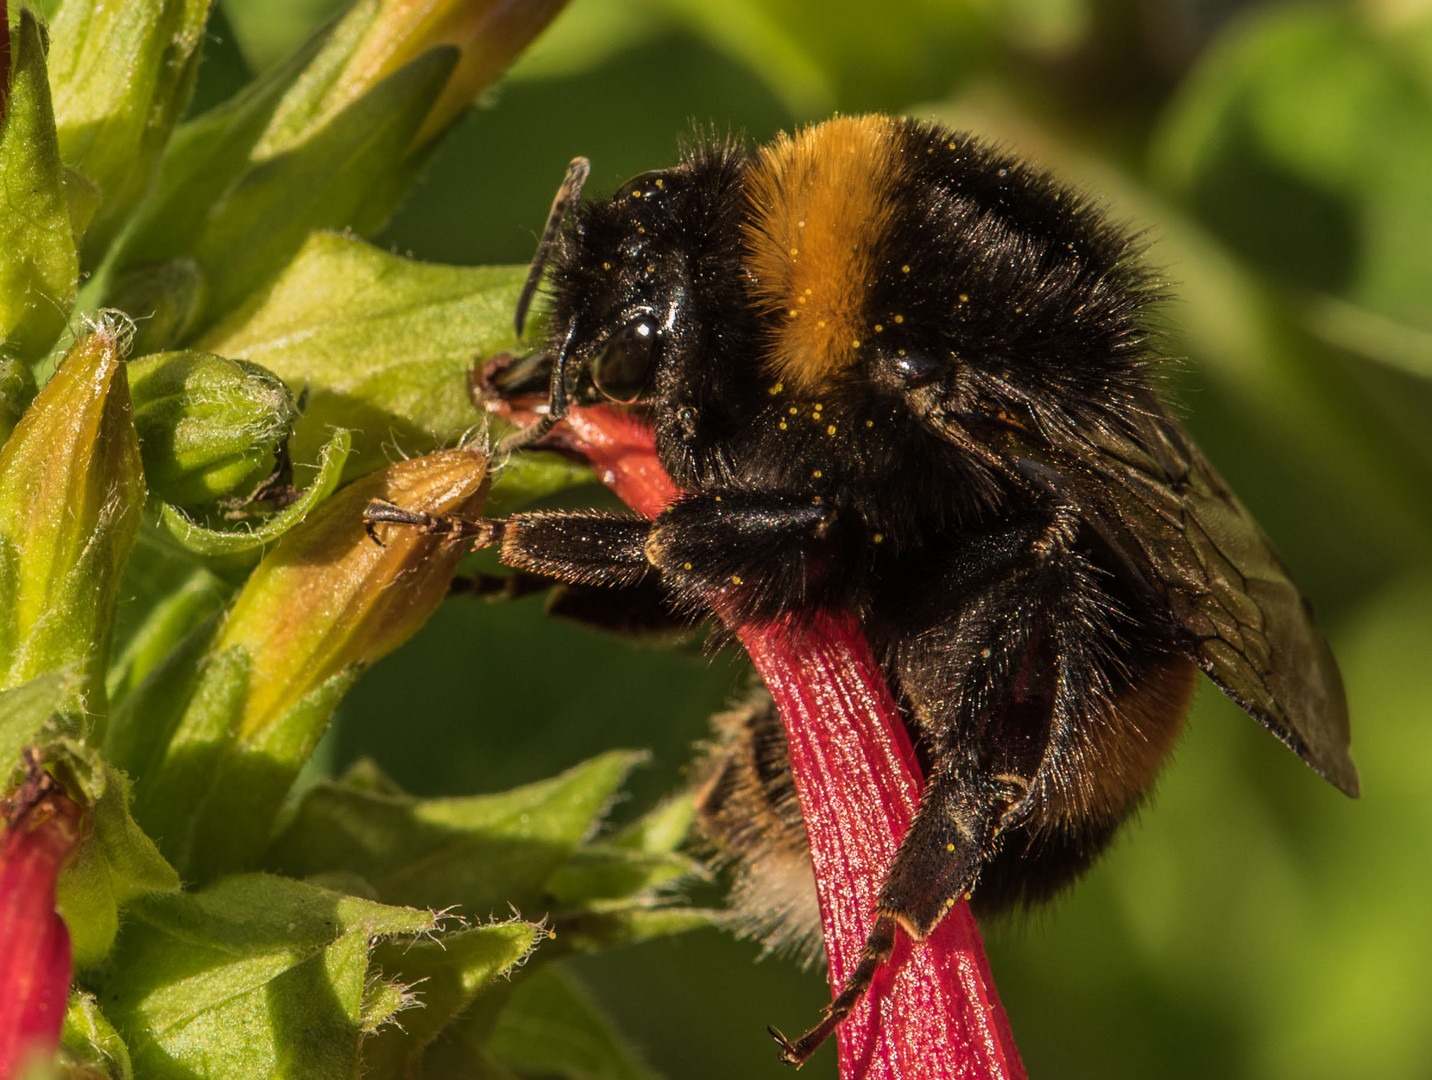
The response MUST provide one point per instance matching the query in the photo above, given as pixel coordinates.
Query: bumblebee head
(626, 278)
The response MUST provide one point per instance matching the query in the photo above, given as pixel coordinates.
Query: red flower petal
(42, 826)
(933, 1011)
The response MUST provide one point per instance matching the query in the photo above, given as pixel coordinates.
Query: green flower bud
(323, 604)
(207, 425)
(488, 34)
(38, 265)
(328, 599)
(71, 492)
(122, 74)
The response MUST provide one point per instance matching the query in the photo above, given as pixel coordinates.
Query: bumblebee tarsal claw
(788, 1053)
(482, 531)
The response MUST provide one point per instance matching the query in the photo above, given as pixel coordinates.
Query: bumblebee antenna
(567, 196)
(556, 400)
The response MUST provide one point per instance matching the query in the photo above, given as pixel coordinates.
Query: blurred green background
(1278, 160)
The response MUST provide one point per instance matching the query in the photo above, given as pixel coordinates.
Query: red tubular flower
(933, 1012)
(42, 826)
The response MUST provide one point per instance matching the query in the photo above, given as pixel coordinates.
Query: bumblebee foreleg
(751, 556)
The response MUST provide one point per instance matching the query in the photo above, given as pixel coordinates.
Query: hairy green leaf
(36, 712)
(90, 1048)
(478, 852)
(260, 973)
(206, 156)
(114, 863)
(166, 599)
(446, 976)
(348, 174)
(630, 868)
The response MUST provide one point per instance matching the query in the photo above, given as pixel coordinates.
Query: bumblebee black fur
(898, 372)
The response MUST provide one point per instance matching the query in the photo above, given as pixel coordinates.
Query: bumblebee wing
(1185, 538)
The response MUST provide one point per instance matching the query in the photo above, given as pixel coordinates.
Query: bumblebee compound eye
(621, 373)
(647, 185)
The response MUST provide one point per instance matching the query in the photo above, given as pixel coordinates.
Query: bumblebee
(897, 372)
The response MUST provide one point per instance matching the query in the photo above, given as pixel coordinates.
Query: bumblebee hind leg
(982, 650)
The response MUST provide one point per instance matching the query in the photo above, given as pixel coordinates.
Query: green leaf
(379, 343)
(207, 155)
(122, 75)
(207, 425)
(348, 174)
(306, 103)
(196, 538)
(145, 720)
(114, 863)
(551, 1027)
(90, 1048)
(1304, 140)
(263, 974)
(383, 1000)
(232, 821)
(171, 738)
(630, 924)
(208, 793)
(166, 598)
(39, 268)
(599, 876)
(445, 977)
(478, 852)
(661, 830)
(83, 197)
(632, 867)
